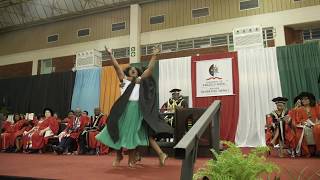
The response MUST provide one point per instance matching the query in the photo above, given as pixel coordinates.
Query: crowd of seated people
(288, 129)
(74, 134)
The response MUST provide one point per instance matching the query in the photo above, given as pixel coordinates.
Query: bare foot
(163, 157)
(116, 162)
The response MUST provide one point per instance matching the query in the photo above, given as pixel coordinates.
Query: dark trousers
(83, 143)
(69, 144)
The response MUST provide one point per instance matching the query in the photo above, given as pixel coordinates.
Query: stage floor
(49, 166)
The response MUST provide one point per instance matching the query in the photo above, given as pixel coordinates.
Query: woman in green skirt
(131, 121)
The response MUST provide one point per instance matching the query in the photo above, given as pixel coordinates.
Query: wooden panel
(99, 24)
(16, 70)
(65, 63)
(293, 36)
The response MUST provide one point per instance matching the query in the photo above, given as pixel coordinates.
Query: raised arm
(149, 70)
(115, 64)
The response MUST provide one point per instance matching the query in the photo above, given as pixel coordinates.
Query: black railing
(186, 149)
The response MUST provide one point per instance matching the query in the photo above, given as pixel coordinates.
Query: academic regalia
(301, 118)
(76, 129)
(72, 132)
(133, 117)
(19, 127)
(6, 136)
(96, 126)
(38, 141)
(275, 120)
(287, 129)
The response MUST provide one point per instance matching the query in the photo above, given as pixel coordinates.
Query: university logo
(213, 71)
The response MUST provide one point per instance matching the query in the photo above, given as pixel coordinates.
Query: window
(202, 12)
(169, 47)
(201, 43)
(187, 44)
(157, 19)
(53, 38)
(248, 4)
(268, 35)
(46, 66)
(83, 32)
(219, 41)
(311, 34)
(118, 26)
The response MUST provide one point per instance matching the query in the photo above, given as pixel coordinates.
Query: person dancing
(133, 120)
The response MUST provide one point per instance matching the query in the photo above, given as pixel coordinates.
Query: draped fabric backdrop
(259, 83)
(230, 104)
(175, 73)
(299, 68)
(34, 93)
(86, 91)
(110, 88)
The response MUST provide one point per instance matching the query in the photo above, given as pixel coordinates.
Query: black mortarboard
(280, 100)
(175, 90)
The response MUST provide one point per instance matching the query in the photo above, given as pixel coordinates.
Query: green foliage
(232, 164)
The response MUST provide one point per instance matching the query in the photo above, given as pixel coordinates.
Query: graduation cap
(175, 90)
(282, 100)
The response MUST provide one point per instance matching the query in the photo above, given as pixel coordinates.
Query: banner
(214, 77)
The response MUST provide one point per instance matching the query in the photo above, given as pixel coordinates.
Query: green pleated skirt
(131, 131)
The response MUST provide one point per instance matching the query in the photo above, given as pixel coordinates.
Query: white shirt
(135, 92)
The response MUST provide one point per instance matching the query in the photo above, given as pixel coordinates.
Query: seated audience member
(70, 135)
(20, 127)
(69, 117)
(8, 130)
(36, 138)
(307, 117)
(280, 127)
(87, 140)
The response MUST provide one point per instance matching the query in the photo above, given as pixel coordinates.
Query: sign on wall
(214, 77)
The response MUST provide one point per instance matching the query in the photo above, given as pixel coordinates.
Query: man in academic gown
(87, 140)
(69, 137)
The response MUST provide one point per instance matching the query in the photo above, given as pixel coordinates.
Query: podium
(184, 119)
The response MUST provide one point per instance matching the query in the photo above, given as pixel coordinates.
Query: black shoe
(92, 152)
(57, 149)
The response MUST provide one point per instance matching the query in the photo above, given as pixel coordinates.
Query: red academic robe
(19, 127)
(92, 142)
(6, 136)
(39, 141)
(289, 133)
(75, 133)
(25, 139)
(302, 117)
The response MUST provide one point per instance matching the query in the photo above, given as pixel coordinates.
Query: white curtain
(259, 82)
(175, 73)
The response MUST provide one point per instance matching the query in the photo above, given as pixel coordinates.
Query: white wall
(276, 20)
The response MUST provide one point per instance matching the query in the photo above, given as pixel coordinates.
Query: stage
(49, 166)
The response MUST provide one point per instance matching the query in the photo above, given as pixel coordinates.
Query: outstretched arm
(149, 70)
(115, 64)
